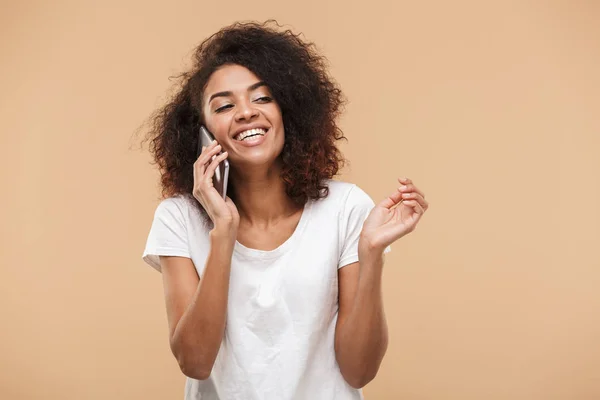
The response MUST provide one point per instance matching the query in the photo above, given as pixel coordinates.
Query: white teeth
(250, 132)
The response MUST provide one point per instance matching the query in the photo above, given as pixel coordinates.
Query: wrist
(223, 236)
(368, 248)
(370, 264)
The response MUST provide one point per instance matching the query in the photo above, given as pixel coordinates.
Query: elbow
(194, 368)
(360, 372)
(358, 381)
(195, 371)
(191, 364)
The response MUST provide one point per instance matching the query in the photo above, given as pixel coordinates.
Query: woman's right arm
(197, 308)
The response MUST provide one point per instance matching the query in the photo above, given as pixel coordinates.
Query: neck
(260, 195)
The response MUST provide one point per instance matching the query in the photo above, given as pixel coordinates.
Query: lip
(253, 142)
(248, 127)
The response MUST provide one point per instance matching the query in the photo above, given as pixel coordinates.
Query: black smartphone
(222, 172)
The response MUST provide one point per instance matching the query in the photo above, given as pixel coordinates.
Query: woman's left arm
(361, 335)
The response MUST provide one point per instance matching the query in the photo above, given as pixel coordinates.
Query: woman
(275, 292)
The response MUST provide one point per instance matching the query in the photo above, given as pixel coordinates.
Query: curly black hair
(309, 99)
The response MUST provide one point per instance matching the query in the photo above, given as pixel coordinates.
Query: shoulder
(178, 202)
(348, 194)
(343, 200)
(177, 207)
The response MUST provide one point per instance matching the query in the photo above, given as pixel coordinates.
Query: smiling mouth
(250, 133)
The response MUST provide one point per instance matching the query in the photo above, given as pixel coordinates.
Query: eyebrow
(229, 93)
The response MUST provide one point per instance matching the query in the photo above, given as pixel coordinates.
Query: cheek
(275, 117)
(218, 127)
(278, 122)
(280, 140)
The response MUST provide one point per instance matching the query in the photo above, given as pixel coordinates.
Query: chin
(263, 154)
(256, 157)
(256, 160)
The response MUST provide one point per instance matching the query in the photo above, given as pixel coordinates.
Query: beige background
(493, 110)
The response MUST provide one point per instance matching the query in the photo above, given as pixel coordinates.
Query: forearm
(363, 337)
(199, 332)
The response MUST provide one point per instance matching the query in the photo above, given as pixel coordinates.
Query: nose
(246, 112)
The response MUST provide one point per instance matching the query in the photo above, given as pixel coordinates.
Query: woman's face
(241, 113)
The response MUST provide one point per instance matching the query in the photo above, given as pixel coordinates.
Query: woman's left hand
(394, 217)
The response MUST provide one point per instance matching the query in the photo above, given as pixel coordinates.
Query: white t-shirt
(283, 304)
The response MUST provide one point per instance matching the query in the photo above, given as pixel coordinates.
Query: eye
(223, 108)
(264, 99)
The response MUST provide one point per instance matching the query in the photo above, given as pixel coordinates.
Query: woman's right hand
(223, 213)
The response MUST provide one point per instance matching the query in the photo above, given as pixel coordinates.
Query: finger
(411, 188)
(416, 196)
(414, 205)
(391, 200)
(210, 146)
(210, 170)
(208, 153)
(199, 167)
(202, 162)
(404, 181)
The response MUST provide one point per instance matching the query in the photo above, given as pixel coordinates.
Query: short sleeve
(168, 233)
(354, 212)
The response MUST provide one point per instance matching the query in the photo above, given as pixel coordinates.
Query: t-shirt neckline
(282, 248)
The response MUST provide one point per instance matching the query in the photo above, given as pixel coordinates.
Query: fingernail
(403, 187)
